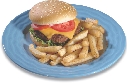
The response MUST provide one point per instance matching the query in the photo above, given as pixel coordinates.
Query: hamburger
(54, 23)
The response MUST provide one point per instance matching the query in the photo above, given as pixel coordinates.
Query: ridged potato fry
(94, 32)
(62, 51)
(44, 60)
(93, 47)
(94, 21)
(100, 42)
(84, 52)
(49, 49)
(55, 62)
(85, 42)
(77, 38)
(78, 60)
(71, 56)
(99, 28)
(74, 47)
(87, 25)
(36, 52)
(53, 56)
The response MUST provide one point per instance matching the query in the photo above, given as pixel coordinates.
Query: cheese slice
(48, 32)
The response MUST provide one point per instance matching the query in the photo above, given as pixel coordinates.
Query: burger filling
(56, 39)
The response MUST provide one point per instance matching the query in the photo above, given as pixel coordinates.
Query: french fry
(87, 25)
(93, 47)
(74, 47)
(78, 61)
(85, 42)
(36, 52)
(100, 42)
(55, 62)
(53, 56)
(44, 60)
(77, 38)
(49, 49)
(95, 39)
(84, 52)
(94, 32)
(95, 22)
(98, 27)
(62, 51)
(71, 56)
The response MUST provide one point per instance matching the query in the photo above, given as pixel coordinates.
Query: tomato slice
(39, 27)
(64, 27)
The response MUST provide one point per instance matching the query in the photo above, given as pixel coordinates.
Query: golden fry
(49, 49)
(77, 38)
(74, 47)
(44, 60)
(93, 47)
(95, 22)
(36, 52)
(85, 42)
(94, 32)
(84, 52)
(98, 27)
(78, 61)
(100, 42)
(53, 56)
(87, 25)
(62, 51)
(71, 56)
(55, 62)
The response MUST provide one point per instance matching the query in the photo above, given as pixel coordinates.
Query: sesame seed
(41, 16)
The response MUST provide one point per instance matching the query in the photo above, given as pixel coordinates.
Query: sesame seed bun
(52, 12)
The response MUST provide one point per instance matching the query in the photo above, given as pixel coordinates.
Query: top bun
(52, 12)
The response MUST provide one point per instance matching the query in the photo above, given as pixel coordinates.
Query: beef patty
(56, 38)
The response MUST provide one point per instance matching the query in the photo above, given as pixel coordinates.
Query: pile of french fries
(84, 47)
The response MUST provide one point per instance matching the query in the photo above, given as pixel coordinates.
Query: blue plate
(15, 41)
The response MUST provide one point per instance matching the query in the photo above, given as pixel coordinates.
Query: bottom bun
(38, 43)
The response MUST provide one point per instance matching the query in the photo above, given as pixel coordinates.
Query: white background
(11, 73)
